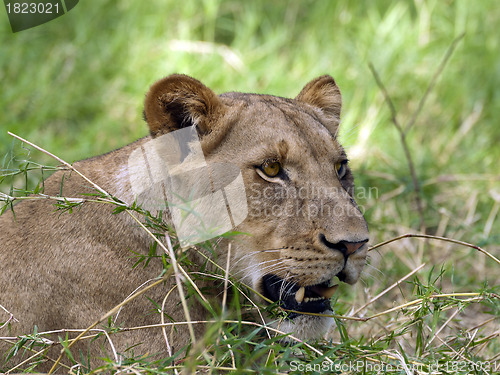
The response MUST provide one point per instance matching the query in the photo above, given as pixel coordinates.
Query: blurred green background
(76, 85)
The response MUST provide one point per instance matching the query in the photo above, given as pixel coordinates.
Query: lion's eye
(340, 168)
(271, 169)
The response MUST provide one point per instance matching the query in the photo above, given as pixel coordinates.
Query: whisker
(274, 262)
(274, 268)
(257, 252)
(286, 287)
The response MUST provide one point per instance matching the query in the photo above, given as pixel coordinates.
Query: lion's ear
(324, 94)
(179, 101)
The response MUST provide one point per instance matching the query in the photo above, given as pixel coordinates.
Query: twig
(95, 186)
(411, 122)
(387, 97)
(7, 198)
(433, 81)
(402, 135)
(479, 325)
(410, 235)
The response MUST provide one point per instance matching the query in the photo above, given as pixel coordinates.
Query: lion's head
(303, 223)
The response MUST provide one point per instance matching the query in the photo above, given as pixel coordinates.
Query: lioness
(302, 228)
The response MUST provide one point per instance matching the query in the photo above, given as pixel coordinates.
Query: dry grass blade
(228, 321)
(171, 253)
(169, 349)
(239, 289)
(224, 307)
(107, 315)
(442, 327)
(27, 360)
(226, 278)
(178, 281)
(475, 296)
(11, 317)
(388, 289)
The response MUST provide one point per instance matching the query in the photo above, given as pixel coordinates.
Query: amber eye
(271, 169)
(340, 168)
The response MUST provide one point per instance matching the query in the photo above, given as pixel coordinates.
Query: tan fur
(66, 270)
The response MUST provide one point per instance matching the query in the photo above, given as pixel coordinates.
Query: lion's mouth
(309, 299)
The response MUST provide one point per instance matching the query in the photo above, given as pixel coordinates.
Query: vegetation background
(75, 86)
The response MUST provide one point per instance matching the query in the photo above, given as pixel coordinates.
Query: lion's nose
(349, 248)
(345, 247)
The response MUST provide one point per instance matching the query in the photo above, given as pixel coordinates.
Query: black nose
(345, 247)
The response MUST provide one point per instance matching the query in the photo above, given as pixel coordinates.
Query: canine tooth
(324, 292)
(299, 296)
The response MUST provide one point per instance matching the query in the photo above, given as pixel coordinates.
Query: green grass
(75, 86)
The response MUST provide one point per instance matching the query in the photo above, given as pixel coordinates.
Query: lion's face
(304, 226)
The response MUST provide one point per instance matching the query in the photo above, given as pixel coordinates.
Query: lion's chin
(306, 327)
